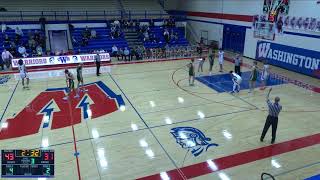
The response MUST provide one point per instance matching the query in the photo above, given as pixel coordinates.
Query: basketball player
(80, 80)
(211, 62)
(23, 73)
(191, 72)
(70, 82)
(264, 75)
(236, 79)
(221, 59)
(253, 76)
(200, 67)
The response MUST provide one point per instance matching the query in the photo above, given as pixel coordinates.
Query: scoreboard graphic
(27, 163)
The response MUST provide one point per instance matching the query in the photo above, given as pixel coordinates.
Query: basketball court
(129, 124)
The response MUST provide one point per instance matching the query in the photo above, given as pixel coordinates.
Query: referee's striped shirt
(274, 108)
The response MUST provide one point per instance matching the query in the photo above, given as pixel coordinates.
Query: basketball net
(275, 5)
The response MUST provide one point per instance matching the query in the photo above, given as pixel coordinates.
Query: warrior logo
(192, 139)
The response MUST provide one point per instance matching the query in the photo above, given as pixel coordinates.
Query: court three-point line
(5, 109)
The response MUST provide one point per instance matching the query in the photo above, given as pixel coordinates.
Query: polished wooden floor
(137, 142)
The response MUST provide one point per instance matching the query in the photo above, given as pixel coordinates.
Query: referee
(272, 119)
(98, 61)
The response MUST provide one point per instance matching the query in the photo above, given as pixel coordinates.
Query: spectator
(151, 23)
(36, 35)
(166, 35)
(145, 36)
(6, 57)
(126, 53)
(22, 51)
(133, 53)
(126, 24)
(93, 34)
(18, 32)
(154, 38)
(13, 49)
(120, 54)
(102, 51)
(164, 23)
(86, 32)
(6, 40)
(85, 41)
(3, 27)
(139, 53)
(137, 24)
(116, 23)
(114, 51)
(39, 50)
(32, 44)
(172, 35)
(113, 32)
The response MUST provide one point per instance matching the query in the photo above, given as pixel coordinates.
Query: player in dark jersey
(80, 80)
(191, 72)
(211, 61)
(70, 82)
(253, 76)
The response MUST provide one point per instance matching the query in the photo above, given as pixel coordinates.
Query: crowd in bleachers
(23, 43)
(159, 40)
(141, 52)
(16, 43)
(89, 38)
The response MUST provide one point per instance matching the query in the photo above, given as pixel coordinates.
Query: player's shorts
(80, 79)
(24, 75)
(238, 81)
(264, 77)
(220, 61)
(71, 84)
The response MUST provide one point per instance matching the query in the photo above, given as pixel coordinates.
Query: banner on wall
(292, 58)
(58, 60)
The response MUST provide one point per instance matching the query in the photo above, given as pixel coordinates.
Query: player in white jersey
(23, 73)
(236, 79)
(265, 75)
(221, 59)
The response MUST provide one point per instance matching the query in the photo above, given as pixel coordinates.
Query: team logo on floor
(50, 111)
(4, 79)
(192, 139)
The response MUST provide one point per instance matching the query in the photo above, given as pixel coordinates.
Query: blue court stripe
(9, 101)
(316, 177)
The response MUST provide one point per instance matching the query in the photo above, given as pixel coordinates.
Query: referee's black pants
(98, 68)
(270, 121)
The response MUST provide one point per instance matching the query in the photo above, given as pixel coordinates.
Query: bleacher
(103, 40)
(12, 35)
(158, 31)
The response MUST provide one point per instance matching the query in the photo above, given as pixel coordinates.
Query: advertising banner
(300, 60)
(58, 60)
